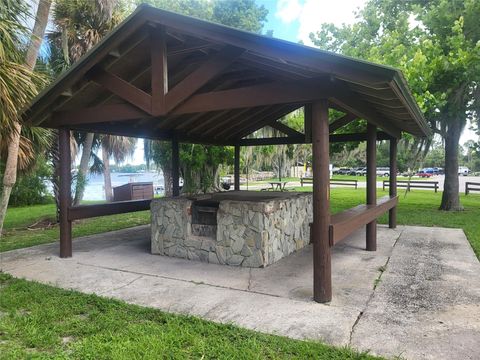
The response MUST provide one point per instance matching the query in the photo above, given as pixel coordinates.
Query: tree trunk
(106, 174)
(10, 173)
(41, 21)
(167, 181)
(83, 169)
(451, 197)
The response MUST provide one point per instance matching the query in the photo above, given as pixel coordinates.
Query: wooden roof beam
(287, 130)
(341, 122)
(257, 95)
(96, 114)
(334, 138)
(122, 89)
(159, 73)
(206, 72)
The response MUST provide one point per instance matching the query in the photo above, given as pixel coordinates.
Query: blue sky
(294, 20)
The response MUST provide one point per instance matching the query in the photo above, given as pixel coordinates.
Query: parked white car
(463, 170)
(383, 171)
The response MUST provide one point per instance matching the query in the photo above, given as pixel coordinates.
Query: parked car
(383, 171)
(431, 171)
(424, 174)
(361, 171)
(463, 170)
(342, 171)
(358, 171)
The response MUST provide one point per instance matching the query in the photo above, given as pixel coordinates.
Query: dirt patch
(42, 224)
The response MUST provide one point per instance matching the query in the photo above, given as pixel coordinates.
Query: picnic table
(278, 185)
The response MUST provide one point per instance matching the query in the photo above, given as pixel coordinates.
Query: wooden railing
(346, 182)
(346, 222)
(118, 207)
(417, 184)
(471, 186)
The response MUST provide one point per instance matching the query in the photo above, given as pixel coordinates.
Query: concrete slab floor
(426, 303)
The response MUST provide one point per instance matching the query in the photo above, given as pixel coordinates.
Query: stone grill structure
(252, 229)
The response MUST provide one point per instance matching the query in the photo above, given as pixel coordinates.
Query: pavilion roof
(162, 75)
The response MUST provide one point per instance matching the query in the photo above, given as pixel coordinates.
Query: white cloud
(288, 10)
(312, 13)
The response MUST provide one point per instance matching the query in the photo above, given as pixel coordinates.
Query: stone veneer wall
(249, 233)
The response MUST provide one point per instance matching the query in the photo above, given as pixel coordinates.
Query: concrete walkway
(426, 304)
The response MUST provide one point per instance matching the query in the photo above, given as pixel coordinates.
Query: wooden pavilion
(160, 75)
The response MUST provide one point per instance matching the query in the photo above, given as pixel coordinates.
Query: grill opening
(204, 218)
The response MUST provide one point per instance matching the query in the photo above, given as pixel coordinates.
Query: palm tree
(118, 147)
(18, 84)
(80, 25)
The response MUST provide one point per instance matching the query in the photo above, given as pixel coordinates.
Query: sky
(294, 20)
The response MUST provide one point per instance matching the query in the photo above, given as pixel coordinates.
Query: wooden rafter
(257, 95)
(159, 80)
(122, 89)
(345, 99)
(255, 114)
(287, 130)
(268, 119)
(248, 118)
(341, 122)
(206, 72)
(96, 114)
(215, 126)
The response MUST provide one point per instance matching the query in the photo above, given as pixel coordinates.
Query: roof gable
(159, 74)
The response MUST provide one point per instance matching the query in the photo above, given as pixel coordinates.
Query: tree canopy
(436, 45)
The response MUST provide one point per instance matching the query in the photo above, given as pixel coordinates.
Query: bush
(31, 188)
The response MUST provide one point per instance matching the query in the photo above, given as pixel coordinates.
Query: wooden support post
(322, 273)
(307, 122)
(392, 214)
(236, 172)
(65, 193)
(372, 183)
(175, 167)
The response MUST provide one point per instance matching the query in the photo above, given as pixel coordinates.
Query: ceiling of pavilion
(223, 84)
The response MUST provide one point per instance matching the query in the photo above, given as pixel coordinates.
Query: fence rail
(410, 184)
(471, 186)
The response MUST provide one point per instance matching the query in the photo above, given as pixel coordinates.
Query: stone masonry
(249, 233)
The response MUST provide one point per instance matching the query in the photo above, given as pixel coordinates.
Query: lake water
(94, 189)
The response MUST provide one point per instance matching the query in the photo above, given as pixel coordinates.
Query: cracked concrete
(425, 304)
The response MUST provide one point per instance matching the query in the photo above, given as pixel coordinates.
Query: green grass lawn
(40, 321)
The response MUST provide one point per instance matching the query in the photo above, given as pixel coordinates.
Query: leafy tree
(439, 54)
(31, 188)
